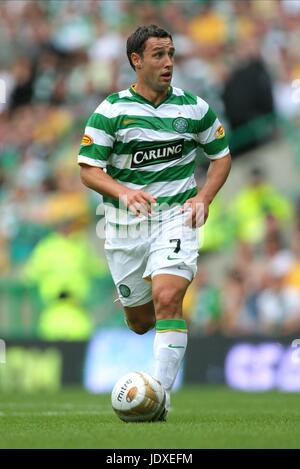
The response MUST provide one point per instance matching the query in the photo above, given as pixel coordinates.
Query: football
(138, 397)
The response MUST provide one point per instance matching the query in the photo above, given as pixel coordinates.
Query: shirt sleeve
(211, 136)
(98, 139)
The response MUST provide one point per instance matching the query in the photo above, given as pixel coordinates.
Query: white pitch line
(54, 413)
(63, 406)
(58, 404)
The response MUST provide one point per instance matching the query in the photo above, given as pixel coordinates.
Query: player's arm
(216, 176)
(94, 155)
(214, 143)
(95, 178)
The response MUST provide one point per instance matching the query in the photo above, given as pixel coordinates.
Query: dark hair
(136, 42)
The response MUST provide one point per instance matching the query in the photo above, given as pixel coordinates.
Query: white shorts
(137, 253)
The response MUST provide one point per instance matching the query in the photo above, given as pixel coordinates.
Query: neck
(154, 97)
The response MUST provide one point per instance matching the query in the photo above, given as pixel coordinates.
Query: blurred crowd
(260, 293)
(59, 59)
(259, 290)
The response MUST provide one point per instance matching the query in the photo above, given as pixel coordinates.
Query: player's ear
(136, 60)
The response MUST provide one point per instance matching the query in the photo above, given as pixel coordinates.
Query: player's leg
(141, 318)
(127, 259)
(168, 291)
(171, 331)
(172, 264)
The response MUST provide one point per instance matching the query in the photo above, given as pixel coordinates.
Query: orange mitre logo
(87, 140)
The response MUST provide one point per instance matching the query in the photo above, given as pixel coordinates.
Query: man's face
(155, 66)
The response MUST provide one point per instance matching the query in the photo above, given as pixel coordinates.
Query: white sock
(169, 348)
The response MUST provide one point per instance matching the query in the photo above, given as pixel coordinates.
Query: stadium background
(58, 60)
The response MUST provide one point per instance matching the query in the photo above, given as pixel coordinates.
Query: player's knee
(167, 300)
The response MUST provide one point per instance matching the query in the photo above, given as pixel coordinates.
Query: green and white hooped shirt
(152, 148)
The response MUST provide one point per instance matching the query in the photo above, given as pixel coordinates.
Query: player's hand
(197, 211)
(138, 202)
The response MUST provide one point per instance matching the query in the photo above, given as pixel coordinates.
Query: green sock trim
(170, 324)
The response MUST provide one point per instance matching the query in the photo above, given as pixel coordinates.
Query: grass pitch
(201, 417)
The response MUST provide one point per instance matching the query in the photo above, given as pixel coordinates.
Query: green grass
(201, 417)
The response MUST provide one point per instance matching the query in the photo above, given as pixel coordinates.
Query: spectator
(237, 317)
(278, 306)
(292, 277)
(247, 97)
(209, 30)
(253, 206)
(63, 262)
(64, 319)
